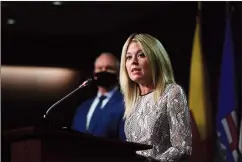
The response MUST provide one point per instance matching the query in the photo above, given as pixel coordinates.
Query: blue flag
(227, 124)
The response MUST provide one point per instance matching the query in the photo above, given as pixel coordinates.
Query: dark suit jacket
(110, 124)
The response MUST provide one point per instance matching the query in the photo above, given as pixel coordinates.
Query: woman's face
(137, 65)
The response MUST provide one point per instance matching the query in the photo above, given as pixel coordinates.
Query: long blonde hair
(161, 69)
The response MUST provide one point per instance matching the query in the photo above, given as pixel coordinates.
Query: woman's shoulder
(173, 87)
(175, 91)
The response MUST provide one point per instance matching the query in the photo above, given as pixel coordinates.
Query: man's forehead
(106, 56)
(106, 59)
(105, 63)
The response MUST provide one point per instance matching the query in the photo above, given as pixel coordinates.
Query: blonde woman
(156, 111)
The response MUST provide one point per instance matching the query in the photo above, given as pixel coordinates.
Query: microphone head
(86, 83)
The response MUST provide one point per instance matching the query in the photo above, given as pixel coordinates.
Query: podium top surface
(67, 134)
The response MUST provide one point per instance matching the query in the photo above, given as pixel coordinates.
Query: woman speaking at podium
(156, 107)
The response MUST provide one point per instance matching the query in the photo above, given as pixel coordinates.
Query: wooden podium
(39, 144)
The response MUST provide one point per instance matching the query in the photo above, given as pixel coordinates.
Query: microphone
(84, 84)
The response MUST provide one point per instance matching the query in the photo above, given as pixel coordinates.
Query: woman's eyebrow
(128, 53)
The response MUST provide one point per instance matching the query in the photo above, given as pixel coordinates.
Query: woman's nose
(134, 60)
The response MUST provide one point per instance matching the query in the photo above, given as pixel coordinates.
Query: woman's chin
(137, 79)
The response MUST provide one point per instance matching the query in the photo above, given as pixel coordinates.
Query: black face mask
(106, 79)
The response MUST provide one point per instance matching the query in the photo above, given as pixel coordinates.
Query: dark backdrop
(74, 33)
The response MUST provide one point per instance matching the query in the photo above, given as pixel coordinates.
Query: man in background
(103, 114)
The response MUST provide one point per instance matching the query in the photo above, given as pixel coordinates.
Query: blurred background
(48, 50)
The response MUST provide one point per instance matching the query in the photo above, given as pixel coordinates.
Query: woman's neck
(144, 89)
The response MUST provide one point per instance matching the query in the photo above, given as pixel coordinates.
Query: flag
(227, 124)
(198, 102)
(198, 95)
(196, 143)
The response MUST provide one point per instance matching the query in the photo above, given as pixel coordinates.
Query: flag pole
(227, 9)
(199, 8)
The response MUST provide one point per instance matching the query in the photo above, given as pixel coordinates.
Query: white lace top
(165, 125)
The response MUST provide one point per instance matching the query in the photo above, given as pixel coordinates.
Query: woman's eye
(128, 57)
(141, 55)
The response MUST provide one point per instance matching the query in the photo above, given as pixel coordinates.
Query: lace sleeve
(180, 126)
